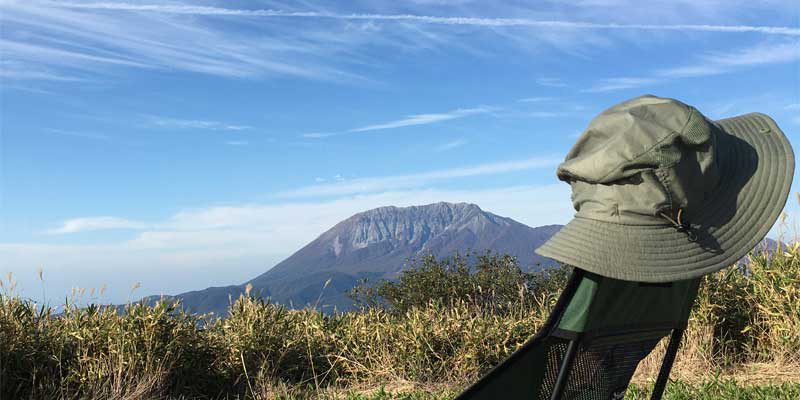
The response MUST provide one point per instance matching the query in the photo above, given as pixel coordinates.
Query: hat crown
(642, 158)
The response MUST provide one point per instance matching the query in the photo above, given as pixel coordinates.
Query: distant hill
(377, 244)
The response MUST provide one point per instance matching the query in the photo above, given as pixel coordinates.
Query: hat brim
(757, 169)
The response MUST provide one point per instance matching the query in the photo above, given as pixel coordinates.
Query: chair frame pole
(666, 364)
(563, 371)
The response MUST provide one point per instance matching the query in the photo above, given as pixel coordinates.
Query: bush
(489, 281)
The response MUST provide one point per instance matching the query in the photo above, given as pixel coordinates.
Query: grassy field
(743, 341)
(728, 390)
(713, 389)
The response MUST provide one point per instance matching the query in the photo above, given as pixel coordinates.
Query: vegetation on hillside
(437, 327)
(488, 282)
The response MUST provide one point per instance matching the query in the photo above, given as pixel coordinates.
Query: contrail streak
(427, 19)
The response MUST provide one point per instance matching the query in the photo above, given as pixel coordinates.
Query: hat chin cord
(681, 225)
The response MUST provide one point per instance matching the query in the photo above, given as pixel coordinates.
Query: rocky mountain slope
(377, 244)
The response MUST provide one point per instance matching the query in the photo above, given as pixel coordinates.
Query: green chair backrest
(590, 346)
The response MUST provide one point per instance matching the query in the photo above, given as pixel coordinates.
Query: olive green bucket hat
(662, 193)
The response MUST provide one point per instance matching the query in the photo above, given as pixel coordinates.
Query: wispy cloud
(398, 182)
(452, 145)
(80, 41)
(534, 99)
(411, 120)
(95, 224)
(544, 114)
(318, 135)
(611, 84)
(793, 106)
(313, 217)
(719, 62)
(177, 123)
(16, 71)
(563, 111)
(424, 119)
(54, 41)
(337, 187)
(237, 143)
(551, 82)
(85, 135)
(710, 64)
(430, 19)
(32, 51)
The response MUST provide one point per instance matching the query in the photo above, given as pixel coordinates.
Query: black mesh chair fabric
(599, 371)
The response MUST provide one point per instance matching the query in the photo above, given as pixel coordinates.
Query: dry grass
(745, 325)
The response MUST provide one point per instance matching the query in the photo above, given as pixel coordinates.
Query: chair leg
(564, 369)
(666, 364)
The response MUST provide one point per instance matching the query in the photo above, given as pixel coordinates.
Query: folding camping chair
(590, 346)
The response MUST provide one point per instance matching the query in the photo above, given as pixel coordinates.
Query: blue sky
(186, 145)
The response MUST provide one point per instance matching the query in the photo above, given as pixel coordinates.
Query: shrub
(489, 281)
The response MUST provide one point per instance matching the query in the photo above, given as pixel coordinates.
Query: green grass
(716, 389)
(713, 389)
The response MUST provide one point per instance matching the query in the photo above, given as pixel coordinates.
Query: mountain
(377, 244)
